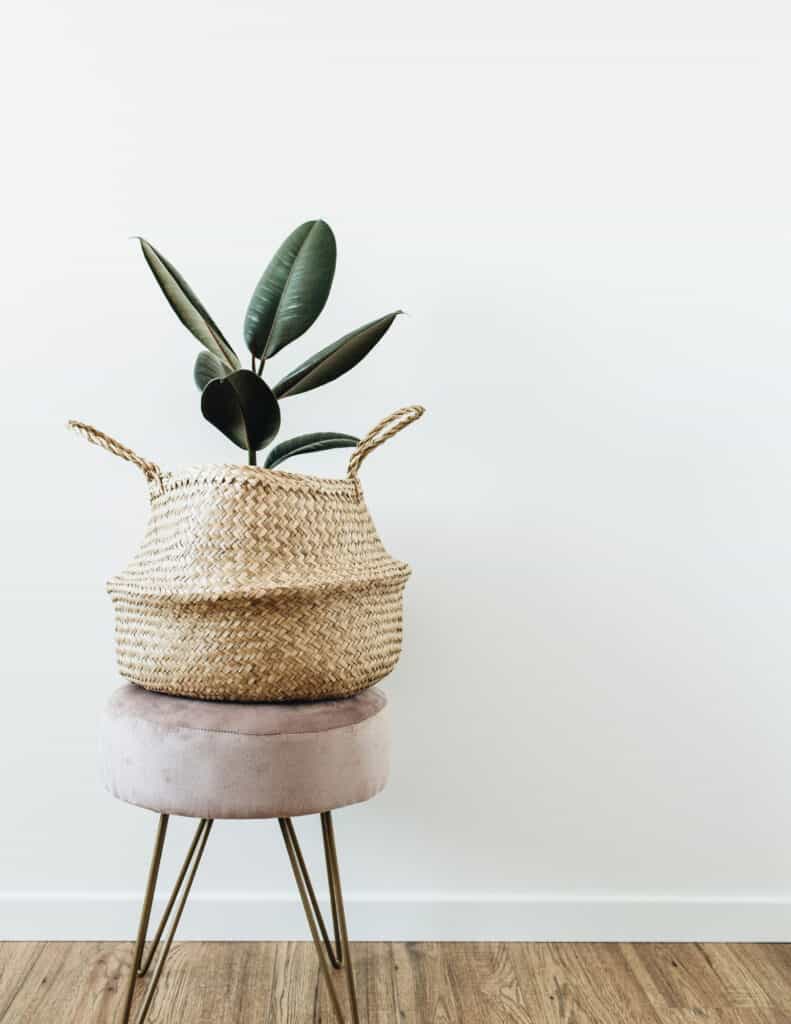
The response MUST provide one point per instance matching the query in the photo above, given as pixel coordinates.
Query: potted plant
(252, 583)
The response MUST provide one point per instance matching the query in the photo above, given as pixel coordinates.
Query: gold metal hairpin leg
(143, 968)
(331, 954)
(338, 909)
(140, 966)
(340, 957)
(334, 950)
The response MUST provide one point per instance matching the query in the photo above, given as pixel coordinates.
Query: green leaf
(335, 359)
(187, 306)
(242, 406)
(308, 443)
(208, 367)
(293, 289)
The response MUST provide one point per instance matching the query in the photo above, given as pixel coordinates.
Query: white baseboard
(234, 916)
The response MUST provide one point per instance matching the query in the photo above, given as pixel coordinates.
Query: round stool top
(209, 759)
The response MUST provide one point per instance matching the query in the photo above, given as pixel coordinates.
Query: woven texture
(258, 585)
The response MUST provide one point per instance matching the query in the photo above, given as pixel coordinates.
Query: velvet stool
(211, 760)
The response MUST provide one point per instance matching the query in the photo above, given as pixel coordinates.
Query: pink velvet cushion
(207, 759)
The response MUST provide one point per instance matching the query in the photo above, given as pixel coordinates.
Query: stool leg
(140, 966)
(145, 914)
(334, 951)
(318, 931)
(179, 911)
(202, 824)
(338, 911)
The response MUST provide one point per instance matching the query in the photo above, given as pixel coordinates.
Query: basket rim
(234, 472)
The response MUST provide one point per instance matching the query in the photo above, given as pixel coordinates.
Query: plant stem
(251, 460)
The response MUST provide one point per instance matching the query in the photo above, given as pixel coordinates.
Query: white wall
(592, 238)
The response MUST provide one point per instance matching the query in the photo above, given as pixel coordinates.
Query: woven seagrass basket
(254, 584)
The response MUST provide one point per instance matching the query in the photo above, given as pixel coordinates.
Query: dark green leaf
(308, 443)
(208, 367)
(243, 408)
(293, 289)
(335, 359)
(187, 306)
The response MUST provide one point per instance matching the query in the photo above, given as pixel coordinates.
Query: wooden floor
(474, 983)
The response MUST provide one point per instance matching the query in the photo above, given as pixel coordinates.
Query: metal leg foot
(338, 956)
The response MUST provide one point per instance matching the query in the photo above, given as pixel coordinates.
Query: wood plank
(424, 992)
(295, 985)
(50, 988)
(17, 961)
(580, 983)
(683, 975)
(381, 997)
(742, 1015)
(742, 986)
(642, 976)
(92, 983)
(230, 982)
(484, 977)
(770, 965)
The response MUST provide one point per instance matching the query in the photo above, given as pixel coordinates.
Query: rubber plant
(287, 300)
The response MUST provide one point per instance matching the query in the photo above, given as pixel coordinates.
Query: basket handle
(150, 470)
(389, 427)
